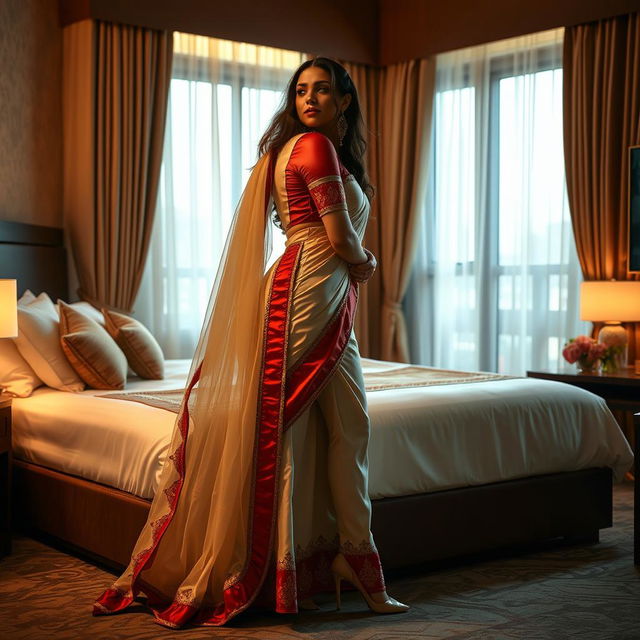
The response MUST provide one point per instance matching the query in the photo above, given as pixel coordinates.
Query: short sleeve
(315, 159)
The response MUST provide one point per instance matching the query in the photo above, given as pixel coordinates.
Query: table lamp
(611, 302)
(8, 311)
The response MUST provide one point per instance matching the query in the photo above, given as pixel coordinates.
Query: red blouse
(313, 180)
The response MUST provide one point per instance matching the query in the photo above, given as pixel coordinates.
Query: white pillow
(86, 309)
(38, 342)
(16, 376)
(26, 298)
(90, 311)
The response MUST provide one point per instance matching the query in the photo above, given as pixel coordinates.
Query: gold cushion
(141, 348)
(94, 355)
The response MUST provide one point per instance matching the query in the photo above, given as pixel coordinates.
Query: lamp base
(613, 334)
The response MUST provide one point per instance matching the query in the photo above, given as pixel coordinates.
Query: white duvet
(422, 439)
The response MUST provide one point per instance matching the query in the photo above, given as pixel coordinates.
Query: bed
(455, 469)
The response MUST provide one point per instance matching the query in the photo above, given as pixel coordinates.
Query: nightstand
(5, 475)
(620, 390)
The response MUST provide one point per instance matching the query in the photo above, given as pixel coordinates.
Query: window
(496, 277)
(222, 97)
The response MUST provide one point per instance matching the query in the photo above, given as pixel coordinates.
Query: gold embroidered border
(332, 207)
(319, 181)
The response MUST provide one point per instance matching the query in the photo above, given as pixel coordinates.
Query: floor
(555, 593)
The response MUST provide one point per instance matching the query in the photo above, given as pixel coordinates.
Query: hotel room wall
(419, 28)
(30, 112)
(339, 28)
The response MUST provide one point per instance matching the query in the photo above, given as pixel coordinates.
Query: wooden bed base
(103, 523)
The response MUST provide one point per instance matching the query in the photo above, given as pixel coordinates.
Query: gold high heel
(342, 570)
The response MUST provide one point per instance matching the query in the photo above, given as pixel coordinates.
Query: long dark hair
(285, 123)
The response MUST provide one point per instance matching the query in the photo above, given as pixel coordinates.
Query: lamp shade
(610, 301)
(8, 309)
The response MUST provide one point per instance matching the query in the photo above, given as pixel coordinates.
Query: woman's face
(315, 105)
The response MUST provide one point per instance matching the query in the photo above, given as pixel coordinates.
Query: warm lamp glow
(8, 309)
(610, 301)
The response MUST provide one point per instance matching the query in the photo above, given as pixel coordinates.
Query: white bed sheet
(422, 439)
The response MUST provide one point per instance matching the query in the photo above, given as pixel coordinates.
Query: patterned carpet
(586, 592)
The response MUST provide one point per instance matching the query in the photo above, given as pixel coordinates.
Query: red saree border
(239, 594)
(310, 374)
(310, 573)
(113, 600)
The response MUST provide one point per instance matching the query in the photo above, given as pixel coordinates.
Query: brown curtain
(116, 83)
(601, 70)
(367, 323)
(405, 98)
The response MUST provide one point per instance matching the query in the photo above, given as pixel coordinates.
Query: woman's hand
(363, 272)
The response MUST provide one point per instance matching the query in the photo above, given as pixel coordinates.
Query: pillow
(141, 348)
(91, 350)
(16, 376)
(38, 342)
(88, 310)
(26, 298)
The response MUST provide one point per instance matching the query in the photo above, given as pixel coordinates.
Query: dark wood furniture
(620, 390)
(104, 522)
(5, 475)
(35, 256)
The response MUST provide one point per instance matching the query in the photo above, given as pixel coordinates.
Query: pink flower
(584, 343)
(597, 351)
(572, 352)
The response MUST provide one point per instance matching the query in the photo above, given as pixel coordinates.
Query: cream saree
(244, 510)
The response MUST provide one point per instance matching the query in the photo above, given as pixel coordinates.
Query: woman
(263, 498)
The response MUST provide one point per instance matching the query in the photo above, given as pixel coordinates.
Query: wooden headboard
(35, 256)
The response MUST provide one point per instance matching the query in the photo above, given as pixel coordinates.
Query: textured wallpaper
(30, 112)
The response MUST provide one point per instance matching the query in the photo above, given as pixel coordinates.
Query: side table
(5, 475)
(620, 390)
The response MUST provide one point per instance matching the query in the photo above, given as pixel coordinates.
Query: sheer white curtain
(495, 284)
(222, 97)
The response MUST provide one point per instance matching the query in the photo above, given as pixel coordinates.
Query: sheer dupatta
(196, 558)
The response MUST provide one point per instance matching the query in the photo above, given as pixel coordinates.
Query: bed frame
(103, 523)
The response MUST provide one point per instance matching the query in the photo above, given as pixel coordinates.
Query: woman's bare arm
(343, 238)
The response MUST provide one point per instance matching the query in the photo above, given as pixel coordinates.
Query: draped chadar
(205, 550)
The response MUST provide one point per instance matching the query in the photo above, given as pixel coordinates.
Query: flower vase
(588, 367)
